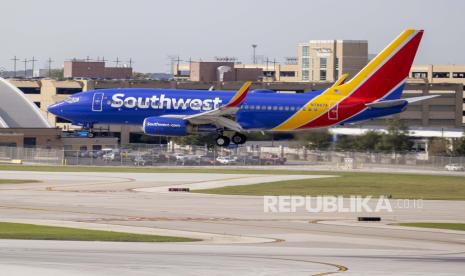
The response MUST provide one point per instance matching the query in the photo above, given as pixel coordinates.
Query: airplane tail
(384, 76)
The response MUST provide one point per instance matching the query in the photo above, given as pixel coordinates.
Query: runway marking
(217, 221)
(217, 183)
(200, 181)
(327, 231)
(122, 180)
(340, 268)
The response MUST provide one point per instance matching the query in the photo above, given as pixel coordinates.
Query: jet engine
(166, 126)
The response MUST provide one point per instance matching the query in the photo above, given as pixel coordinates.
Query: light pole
(25, 67)
(254, 60)
(14, 59)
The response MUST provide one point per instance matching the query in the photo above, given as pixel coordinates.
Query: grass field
(17, 181)
(449, 226)
(364, 184)
(147, 170)
(39, 232)
(398, 185)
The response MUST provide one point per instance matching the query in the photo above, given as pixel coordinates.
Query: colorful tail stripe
(240, 95)
(373, 82)
(381, 82)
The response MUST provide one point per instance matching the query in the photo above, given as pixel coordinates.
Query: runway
(239, 238)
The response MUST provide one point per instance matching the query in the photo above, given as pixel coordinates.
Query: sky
(149, 32)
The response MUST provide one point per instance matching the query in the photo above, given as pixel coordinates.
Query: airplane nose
(55, 109)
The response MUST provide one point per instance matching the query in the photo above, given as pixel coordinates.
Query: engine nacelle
(166, 126)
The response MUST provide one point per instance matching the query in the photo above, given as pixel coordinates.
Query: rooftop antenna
(87, 58)
(130, 62)
(25, 67)
(103, 59)
(254, 58)
(14, 59)
(33, 60)
(49, 61)
(117, 61)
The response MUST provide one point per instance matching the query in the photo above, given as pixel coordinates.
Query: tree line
(395, 139)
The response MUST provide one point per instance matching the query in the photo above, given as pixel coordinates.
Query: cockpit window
(72, 100)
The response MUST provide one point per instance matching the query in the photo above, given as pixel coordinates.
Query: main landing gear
(224, 141)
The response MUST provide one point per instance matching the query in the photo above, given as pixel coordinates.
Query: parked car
(247, 160)
(227, 160)
(112, 156)
(454, 167)
(273, 159)
(206, 160)
(139, 161)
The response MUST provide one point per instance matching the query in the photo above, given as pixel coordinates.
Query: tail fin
(384, 76)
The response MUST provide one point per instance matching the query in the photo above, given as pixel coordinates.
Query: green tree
(396, 139)
(56, 74)
(438, 147)
(315, 139)
(196, 139)
(140, 76)
(345, 143)
(459, 146)
(367, 141)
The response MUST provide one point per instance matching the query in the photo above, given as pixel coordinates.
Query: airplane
(372, 93)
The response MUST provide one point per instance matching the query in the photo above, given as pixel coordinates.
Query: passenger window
(258, 107)
(275, 107)
(286, 108)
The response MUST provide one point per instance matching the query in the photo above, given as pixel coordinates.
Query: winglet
(340, 81)
(240, 95)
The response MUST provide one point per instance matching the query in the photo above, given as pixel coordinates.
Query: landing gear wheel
(90, 134)
(239, 138)
(222, 141)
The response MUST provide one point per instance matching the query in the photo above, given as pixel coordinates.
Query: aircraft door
(97, 102)
(333, 113)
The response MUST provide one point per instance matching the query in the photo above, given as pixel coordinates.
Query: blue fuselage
(260, 110)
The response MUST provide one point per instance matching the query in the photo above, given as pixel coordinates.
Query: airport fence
(176, 155)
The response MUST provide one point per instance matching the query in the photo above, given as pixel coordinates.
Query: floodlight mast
(254, 57)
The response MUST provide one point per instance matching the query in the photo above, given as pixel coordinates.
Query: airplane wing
(394, 103)
(221, 116)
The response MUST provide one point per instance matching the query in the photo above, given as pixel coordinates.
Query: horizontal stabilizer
(421, 98)
(399, 102)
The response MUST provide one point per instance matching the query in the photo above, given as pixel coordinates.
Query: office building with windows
(438, 74)
(327, 60)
